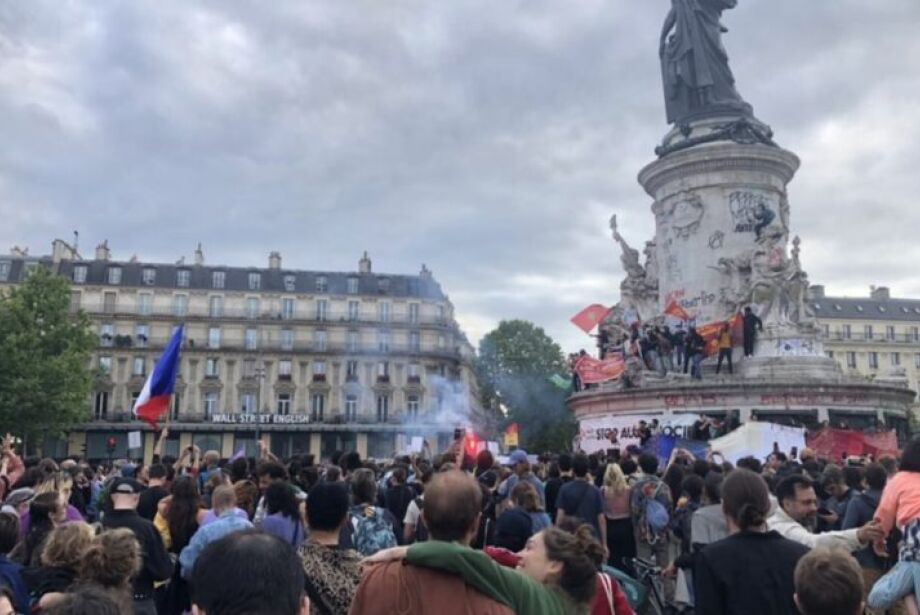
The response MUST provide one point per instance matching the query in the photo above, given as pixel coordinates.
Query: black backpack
(421, 531)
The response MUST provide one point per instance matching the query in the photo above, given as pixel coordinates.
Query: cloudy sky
(489, 139)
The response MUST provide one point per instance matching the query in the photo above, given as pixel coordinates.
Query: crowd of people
(661, 349)
(557, 534)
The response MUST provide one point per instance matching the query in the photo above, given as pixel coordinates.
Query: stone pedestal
(717, 207)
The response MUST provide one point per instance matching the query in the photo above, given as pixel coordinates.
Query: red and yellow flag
(593, 371)
(675, 310)
(590, 317)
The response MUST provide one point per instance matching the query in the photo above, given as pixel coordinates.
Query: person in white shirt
(798, 511)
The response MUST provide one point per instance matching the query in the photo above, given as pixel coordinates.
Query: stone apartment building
(305, 361)
(877, 336)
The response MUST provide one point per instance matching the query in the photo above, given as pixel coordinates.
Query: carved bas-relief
(639, 290)
(685, 214)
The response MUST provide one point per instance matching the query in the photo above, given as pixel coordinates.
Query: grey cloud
(490, 140)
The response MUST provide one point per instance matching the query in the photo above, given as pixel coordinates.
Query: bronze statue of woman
(697, 80)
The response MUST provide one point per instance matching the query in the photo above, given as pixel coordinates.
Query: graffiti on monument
(716, 240)
(685, 214)
(690, 303)
(751, 212)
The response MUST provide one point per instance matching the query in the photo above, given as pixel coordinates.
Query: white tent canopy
(757, 440)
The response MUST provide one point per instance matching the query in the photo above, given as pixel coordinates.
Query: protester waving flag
(153, 402)
(590, 317)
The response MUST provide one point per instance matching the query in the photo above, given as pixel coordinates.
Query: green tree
(514, 367)
(45, 351)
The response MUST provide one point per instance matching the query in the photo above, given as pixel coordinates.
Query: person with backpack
(397, 497)
(581, 499)
(861, 510)
(370, 527)
(650, 507)
(414, 529)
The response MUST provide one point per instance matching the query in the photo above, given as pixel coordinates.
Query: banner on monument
(710, 333)
(621, 431)
(594, 371)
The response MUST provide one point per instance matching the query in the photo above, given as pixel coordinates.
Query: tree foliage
(45, 351)
(514, 367)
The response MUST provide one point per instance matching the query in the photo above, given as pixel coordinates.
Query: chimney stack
(425, 273)
(274, 260)
(364, 265)
(816, 291)
(881, 293)
(199, 256)
(103, 253)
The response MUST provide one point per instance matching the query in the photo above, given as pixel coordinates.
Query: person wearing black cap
(157, 566)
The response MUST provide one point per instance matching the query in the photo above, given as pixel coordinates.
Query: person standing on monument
(725, 348)
(752, 324)
(696, 347)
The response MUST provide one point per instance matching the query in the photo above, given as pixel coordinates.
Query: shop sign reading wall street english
(261, 419)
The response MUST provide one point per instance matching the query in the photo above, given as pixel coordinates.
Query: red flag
(593, 371)
(590, 317)
(675, 310)
(710, 333)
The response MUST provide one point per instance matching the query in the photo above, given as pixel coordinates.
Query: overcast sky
(489, 139)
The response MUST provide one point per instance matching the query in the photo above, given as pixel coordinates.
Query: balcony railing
(882, 338)
(304, 315)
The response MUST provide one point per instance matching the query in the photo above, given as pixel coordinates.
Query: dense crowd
(559, 534)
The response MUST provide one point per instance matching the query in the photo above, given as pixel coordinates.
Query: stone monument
(722, 242)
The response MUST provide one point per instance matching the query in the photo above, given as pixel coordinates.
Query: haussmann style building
(305, 361)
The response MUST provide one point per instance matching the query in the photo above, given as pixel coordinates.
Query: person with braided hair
(752, 571)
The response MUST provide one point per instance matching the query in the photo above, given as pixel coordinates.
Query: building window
(148, 276)
(319, 369)
(144, 304)
(442, 314)
(142, 334)
(109, 302)
(248, 403)
(322, 284)
(383, 408)
(289, 284)
(101, 406)
(915, 334)
(139, 368)
(114, 275)
(287, 339)
(211, 399)
(182, 278)
(413, 313)
(284, 404)
(180, 305)
(353, 339)
(889, 333)
(867, 331)
(287, 309)
(252, 339)
(383, 371)
(895, 359)
(351, 371)
(383, 341)
(107, 335)
(351, 408)
(218, 279)
(383, 311)
(76, 298)
(383, 285)
(216, 306)
(917, 360)
(317, 406)
(214, 337)
(352, 286)
(249, 368)
(442, 341)
(5, 271)
(826, 331)
(847, 332)
(354, 310)
(105, 364)
(829, 354)
(321, 309)
(319, 340)
(79, 273)
(252, 307)
(212, 368)
(412, 405)
(255, 281)
(284, 369)
(414, 341)
(414, 372)
(873, 360)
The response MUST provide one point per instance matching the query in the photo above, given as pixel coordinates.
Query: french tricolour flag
(154, 399)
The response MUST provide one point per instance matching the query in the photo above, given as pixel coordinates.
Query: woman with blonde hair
(621, 542)
(60, 562)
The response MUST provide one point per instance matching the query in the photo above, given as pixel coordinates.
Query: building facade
(876, 336)
(305, 361)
